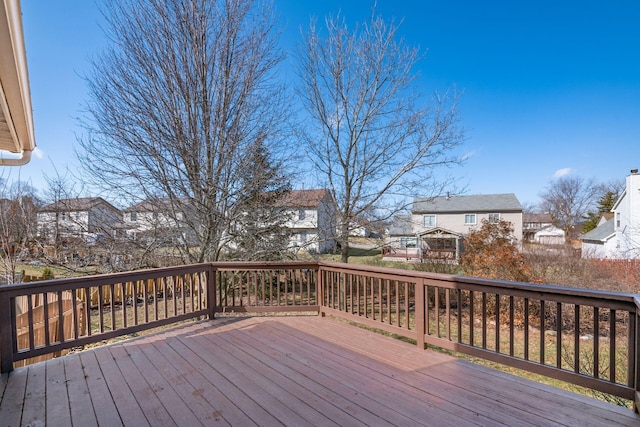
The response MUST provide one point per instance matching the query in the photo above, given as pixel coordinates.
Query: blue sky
(550, 87)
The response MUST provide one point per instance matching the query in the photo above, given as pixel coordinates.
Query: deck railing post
(320, 290)
(211, 291)
(635, 344)
(6, 334)
(420, 311)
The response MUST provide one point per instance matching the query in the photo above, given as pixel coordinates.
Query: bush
(47, 274)
(490, 253)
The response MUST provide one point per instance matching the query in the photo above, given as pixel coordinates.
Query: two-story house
(539, 228)
(82, 217)
(618, 237)
(155, 219)
(438, 225)
(312, 219)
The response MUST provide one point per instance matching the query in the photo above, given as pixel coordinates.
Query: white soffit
(16, 118)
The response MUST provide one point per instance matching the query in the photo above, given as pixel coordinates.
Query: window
(494, 217)
(301, 214)
(429, 220)
(408, 242)
(469, 219)
(618, 219)
(134, 216)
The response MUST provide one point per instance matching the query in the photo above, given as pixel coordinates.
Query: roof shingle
(477, 203)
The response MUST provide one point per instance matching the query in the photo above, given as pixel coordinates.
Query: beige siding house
(437, 226)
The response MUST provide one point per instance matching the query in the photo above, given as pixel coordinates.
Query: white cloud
(562, 172)
(469, 154)
(38, 153)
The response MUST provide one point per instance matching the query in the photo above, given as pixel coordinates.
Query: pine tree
(605, 204)
(260, 232)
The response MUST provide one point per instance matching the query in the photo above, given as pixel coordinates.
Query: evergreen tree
(605, 204)
(260, 232)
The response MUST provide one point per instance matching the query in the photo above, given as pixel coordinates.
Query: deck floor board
(287, 370)
(363, 379)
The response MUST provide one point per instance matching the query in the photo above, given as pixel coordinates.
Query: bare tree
(568, 199)
(178, 102)
(17, 226)
(75, 233)
(372, 136)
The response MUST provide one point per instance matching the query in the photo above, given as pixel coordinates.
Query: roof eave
(17, 136)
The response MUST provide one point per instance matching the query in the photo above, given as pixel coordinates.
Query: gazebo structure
(440, 244)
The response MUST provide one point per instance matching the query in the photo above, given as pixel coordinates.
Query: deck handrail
(540, 328)
(113, 305)
(571, 334)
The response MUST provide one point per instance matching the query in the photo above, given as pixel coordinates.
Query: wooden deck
(282, 371)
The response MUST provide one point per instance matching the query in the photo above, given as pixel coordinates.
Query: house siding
(77, 218)
(315, 230)
(454, 221)
(628, 232)
(624, 241)
(450, 223)
(599, 250)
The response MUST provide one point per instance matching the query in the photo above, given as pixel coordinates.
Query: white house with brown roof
(312, 219)
(437, 226)
(618, 237)
(78, 217)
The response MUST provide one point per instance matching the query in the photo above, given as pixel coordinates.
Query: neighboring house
(362, 228)
(534, 222)
(549, 236)
(439, 224)
(312, 219)
(539, 228)
(600, 242)
(618, 237)
(401, 240)
(85, 217)
(154, 219)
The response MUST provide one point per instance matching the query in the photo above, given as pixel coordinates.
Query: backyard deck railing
(588, 338)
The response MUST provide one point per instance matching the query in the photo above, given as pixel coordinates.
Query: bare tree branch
(568, 199)
(372, 135)
(178, 103)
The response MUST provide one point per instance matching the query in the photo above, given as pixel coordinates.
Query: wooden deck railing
(589, 338)
(584, 337)
(104, 307)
